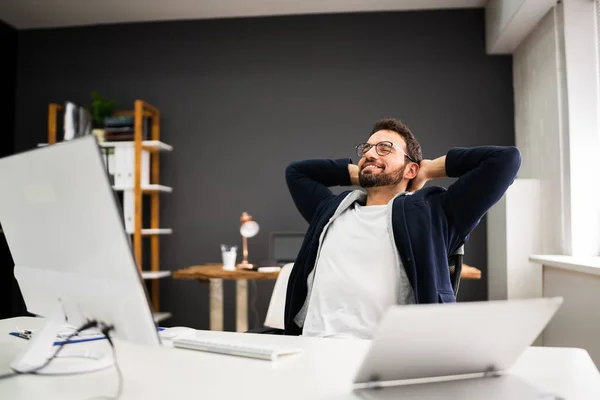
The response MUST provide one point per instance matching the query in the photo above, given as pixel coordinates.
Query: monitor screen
(284, 246)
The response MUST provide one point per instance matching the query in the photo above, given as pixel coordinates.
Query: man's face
(376, 170)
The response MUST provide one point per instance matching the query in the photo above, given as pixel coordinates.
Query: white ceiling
(26, 14)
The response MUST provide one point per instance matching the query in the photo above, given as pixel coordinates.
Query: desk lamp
(249, 228)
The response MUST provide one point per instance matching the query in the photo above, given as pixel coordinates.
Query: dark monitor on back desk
(284, 247)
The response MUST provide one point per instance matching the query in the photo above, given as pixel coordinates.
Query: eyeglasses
(382, 148)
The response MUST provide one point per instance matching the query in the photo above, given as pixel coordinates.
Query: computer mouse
(176, 332)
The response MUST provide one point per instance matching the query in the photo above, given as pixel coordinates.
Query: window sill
(586, 265)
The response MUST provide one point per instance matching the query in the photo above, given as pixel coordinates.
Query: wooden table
(469, 272)
(214, 274)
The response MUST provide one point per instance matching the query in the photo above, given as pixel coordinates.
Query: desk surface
(216, 271)
(324, 371)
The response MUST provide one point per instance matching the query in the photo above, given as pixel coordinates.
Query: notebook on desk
(459, 340)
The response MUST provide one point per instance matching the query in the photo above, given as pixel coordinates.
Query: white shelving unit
(150, 232)
(150, 145)
(155, 274)
(146, 188)
(161, 316)
(134, 166)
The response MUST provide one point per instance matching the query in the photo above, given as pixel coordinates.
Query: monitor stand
(72, 359)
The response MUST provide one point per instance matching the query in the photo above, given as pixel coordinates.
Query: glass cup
(229, 254)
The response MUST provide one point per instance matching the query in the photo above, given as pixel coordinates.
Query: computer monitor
(285, 246)
(73, 259)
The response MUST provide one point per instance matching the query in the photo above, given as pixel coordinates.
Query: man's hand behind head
(422, 177)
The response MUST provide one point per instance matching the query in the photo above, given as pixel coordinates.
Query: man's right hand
(353, 171)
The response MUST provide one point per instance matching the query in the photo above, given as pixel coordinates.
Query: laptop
(464, 340)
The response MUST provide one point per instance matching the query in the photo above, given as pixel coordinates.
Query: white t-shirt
(356, 275)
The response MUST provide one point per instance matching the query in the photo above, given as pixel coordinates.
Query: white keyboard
(241, 349)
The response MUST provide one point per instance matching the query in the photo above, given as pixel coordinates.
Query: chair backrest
(455, 262)
(276, 310)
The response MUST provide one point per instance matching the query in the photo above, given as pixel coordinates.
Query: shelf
(150, 145)
(149, 232)
(155, 274)
(586, 265)
(147, 188)
(161, 316)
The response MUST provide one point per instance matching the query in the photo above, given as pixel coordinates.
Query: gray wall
(241, 98)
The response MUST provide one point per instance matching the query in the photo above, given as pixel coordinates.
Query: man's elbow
(513, 159)
(291, 171)
(292, 166)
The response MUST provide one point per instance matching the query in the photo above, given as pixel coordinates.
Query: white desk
(323, 371)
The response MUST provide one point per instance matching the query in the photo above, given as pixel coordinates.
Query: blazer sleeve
(484, 174)
(309, 182)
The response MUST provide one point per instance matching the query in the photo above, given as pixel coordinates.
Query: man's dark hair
(413, 148)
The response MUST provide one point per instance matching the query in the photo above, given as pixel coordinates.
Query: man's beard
(369, 180)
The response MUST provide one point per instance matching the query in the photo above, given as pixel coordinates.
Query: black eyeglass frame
(363, 148)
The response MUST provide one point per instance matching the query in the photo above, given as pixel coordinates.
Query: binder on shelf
(129, 157)
(110, 161)
(124, 166)
(119, 158)
(128, 210)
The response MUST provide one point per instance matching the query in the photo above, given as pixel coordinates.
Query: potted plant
(100, 109)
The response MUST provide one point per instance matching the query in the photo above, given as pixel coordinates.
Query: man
(364, 252)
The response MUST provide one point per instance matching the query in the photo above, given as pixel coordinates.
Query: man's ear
(411, 171)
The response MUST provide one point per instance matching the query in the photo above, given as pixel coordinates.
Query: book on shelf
(119, 129)
(120, 137)
(125, 131)
(123, 120)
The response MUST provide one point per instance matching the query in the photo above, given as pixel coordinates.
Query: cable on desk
(10, 375)
(106, 332)
(87, 325)
(105, 329)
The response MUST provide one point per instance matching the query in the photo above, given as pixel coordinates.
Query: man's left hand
(422, 176)
(428, 169)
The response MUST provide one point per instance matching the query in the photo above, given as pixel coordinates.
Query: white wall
(498, 14)
(556, 122)
(513, 227)
(540, 110)
(577, 322)
(557, 125)
(581, 57)
(508, 22)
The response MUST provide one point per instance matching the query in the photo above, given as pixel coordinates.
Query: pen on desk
(25, 334)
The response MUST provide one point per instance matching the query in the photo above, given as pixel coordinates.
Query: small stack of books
(122, 128)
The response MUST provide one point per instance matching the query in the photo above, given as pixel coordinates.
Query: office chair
(274, 323)
(455, 263)
(274, 320)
